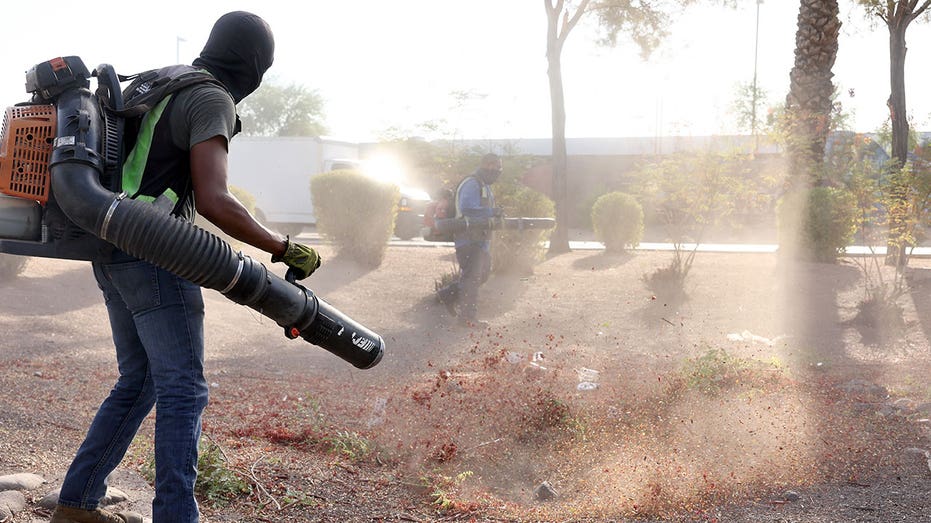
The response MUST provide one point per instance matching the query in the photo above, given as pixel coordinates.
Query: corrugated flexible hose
(184, 249)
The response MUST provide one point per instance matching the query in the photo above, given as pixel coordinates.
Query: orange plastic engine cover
(25, 150)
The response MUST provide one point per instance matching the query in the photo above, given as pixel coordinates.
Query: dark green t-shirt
(199, 113)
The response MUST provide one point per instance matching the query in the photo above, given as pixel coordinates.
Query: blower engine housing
(31, 221)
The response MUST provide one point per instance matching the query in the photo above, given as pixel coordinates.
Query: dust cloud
(629, 403)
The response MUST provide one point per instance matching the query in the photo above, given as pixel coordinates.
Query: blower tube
(184, 249)
(451, 225)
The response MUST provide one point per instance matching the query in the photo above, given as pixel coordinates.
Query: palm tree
(808, 114)
(809, 102)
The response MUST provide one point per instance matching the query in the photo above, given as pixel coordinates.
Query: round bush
(518, 251)
(618, 221)
(356, 213)
(821, 223)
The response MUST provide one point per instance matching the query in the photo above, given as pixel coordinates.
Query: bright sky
(381, 64)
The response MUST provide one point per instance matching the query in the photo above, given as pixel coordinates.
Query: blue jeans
(157, 320)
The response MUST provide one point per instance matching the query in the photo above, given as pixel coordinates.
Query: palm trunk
(808, 110)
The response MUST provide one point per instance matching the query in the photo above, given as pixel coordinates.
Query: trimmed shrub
(617, 219)
(519, 251)
(825, 219)
(356, 213)
(11, 266)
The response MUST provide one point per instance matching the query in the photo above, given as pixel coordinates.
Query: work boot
(65, 514)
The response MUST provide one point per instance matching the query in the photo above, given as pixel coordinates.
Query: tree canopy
(897, 15)
(283, 110)
(644, 23)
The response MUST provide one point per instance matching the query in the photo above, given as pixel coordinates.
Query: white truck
(277, 171)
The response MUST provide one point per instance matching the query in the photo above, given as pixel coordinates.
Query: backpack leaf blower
(448, 226)
(60, 172)
(440, 222)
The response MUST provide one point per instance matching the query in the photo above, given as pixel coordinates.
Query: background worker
(157, 318)
(474, 199)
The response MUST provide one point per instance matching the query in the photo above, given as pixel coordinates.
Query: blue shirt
(474, 199)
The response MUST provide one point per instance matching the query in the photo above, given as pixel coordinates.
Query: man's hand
(303, 259)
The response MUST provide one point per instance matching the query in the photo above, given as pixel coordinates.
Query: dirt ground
(758, 398)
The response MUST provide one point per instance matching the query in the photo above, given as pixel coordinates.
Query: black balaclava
(490, 168)
(239, 51)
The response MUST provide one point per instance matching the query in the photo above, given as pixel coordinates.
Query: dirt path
(758, 384)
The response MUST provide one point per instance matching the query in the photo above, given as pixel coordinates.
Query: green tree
(691, 193)
(559, 23)
(897, 15)
(431, 152)
(432, 164)
(645, 23)
(749, 99)
(283, 110)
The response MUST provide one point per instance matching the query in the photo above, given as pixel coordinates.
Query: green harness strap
(135, 163)
(483, 195)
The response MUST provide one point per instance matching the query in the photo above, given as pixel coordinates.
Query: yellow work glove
(303, 259)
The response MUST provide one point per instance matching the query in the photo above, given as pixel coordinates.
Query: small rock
(544, 492)
(24, 481)
(113, 496)
(49, 500)
(791, 495)
(887, 410)
(11, 502)
(864, 387)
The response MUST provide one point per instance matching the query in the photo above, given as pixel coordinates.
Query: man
(157, 318)
(474, 199)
